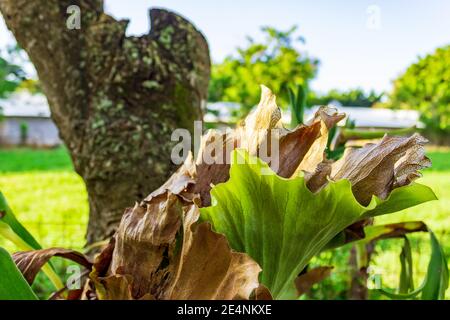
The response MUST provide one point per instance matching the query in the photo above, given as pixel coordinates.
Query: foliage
(11, 229)
(385, 261)
(13, 285)
(11, 75)
(337, 137)
(335, 147)
(297, 102)
(10, 225)
(301, 223)
(23, 133)
(177, 199)
(275, 220)
(351, 98)
(425, 86)
(436, 280)
(276, 61)
(31, 85)
(39, 193)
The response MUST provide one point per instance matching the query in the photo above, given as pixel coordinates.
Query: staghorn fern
(263, 223)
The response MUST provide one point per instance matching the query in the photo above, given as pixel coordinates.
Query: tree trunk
(115, 99)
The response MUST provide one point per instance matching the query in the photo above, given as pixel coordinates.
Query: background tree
(352, 98)
(115, 99)
(425, 86)
(275, 62)
(11, 74)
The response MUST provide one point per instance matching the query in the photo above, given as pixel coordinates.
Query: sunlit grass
(435, 214)
(52, 205)
(26, 159)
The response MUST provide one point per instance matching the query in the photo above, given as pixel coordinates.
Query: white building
(363, 117)
(33, 111)
(22, 109)
(376, 117)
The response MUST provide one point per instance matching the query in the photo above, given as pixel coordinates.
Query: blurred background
(386, 64)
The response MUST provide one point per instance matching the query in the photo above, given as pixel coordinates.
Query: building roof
(24, 104)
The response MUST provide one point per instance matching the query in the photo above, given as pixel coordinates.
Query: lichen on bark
(115, 99)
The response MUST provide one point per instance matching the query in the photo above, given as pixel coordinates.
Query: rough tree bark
(115, 99)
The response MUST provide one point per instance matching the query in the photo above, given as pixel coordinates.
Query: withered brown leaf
(376, 169)
(301, 149)
(30, 262)
(162, 253)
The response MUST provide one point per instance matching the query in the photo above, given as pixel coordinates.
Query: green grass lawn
(46, 195)
(25, 160)
(50, 199)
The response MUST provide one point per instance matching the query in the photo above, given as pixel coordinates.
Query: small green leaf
(293, 103)
(400, 296)
(406, 283)
(437, 274)
(8, 217)
(13, 285)
(297, 104)
(436, 280)
(401, 198)
(301, 103)
(12, 229)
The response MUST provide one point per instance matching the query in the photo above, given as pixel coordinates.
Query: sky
(360, 43)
